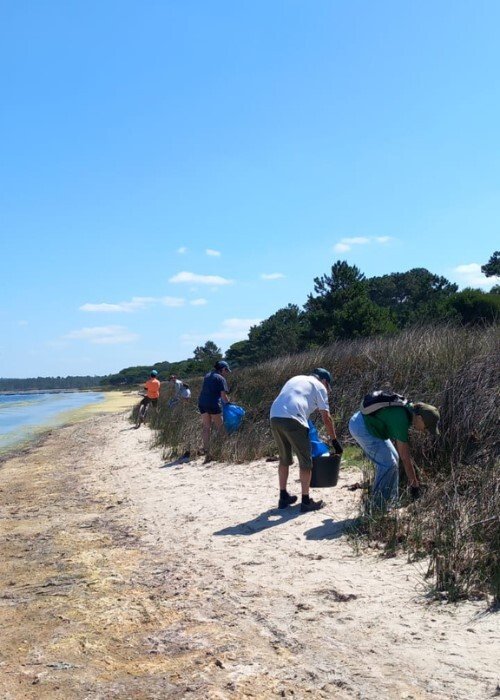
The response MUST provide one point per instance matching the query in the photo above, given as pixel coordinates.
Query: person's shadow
(175, 463)
(270, 518)
(331, 530)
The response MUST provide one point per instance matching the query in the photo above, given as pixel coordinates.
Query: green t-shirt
(391, 423)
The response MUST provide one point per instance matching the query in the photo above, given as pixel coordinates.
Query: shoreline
(113, 401)
(128, 576)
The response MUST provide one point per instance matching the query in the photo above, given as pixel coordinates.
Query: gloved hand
(415, 492)
(336, 446)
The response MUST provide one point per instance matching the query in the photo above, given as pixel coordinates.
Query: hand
(415, 492)
(336, 446)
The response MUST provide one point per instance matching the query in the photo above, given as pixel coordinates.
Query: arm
(224, 397)
(403, 449)
(329, 425)
(330, 428)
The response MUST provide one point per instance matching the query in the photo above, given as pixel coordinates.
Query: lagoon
(24, 416)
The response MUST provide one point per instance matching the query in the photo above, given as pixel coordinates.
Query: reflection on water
(24, 416)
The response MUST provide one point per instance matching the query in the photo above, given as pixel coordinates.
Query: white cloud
(198, 302)
(341, 247)
(136, 304)
(213, 253)
(103, 335)
(470, 275)
(172, 301)
(191, 277)
(272, 276)
(122, 307)
(346, 244)
(231, 330)
(182, 250)
(357, 240)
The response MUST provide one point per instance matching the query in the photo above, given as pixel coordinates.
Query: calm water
(24, 416)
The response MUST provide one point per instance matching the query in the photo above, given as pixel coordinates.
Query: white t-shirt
(180, 390)
(177, 387)
(299, 397)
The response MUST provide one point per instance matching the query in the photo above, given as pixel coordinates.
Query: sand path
(195, 586)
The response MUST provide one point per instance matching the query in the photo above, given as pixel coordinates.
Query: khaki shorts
(290, 435)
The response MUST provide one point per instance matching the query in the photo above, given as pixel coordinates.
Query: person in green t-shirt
(384, 438)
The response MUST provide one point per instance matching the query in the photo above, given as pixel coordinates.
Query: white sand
(299, 605)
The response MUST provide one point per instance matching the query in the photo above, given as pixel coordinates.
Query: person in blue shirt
(214, 392)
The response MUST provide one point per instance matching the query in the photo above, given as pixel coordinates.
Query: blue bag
(232, 416)
(318, 447)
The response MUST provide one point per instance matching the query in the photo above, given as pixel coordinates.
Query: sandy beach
(126, 575)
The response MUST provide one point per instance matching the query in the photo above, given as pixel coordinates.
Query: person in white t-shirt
(181, 390)
(299, 397)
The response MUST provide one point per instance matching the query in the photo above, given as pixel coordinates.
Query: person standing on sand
(383, 437)
(152, 387)
(298, 398)
(213, 391)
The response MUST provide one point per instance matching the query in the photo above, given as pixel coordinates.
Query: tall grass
(457, 522)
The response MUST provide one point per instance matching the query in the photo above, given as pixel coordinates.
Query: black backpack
(376, 400)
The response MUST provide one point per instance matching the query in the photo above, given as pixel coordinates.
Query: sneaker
(312, 505)
(286, 501)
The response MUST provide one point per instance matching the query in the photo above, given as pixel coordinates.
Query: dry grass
(457, 521)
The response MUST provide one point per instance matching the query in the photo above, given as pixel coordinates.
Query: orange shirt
(152, 387)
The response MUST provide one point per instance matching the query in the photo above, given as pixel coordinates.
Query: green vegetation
(346, 305)
(204, 358)
(456, 524)
(44, 383)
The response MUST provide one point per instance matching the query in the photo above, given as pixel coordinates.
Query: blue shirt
(213, 384)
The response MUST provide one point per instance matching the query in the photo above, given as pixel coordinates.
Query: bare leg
(205, 430)
(219, 423)
(305, 480)
(283, 470)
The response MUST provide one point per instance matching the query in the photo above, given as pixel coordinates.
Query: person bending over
(299, 397)
(181, 390)
(383, 437)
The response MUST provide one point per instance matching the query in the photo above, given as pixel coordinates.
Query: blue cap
(323, 374)
(154, 373)
(222, 364)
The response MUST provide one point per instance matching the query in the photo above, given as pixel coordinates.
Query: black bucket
(325, 471)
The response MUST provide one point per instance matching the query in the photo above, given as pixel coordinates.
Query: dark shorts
(290, 435)
(146, 400)
(213, 410)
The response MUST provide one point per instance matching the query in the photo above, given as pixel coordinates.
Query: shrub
(456, 368)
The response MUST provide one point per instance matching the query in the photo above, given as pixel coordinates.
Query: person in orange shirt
(152, 387)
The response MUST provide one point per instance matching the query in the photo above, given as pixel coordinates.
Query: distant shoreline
(113, 402)
(12, 392)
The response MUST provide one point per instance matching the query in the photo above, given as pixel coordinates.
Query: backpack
(376, 400)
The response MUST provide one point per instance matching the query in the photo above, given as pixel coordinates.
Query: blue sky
(173, 172)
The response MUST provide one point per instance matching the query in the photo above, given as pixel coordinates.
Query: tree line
(44, 383)
(343, 305)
